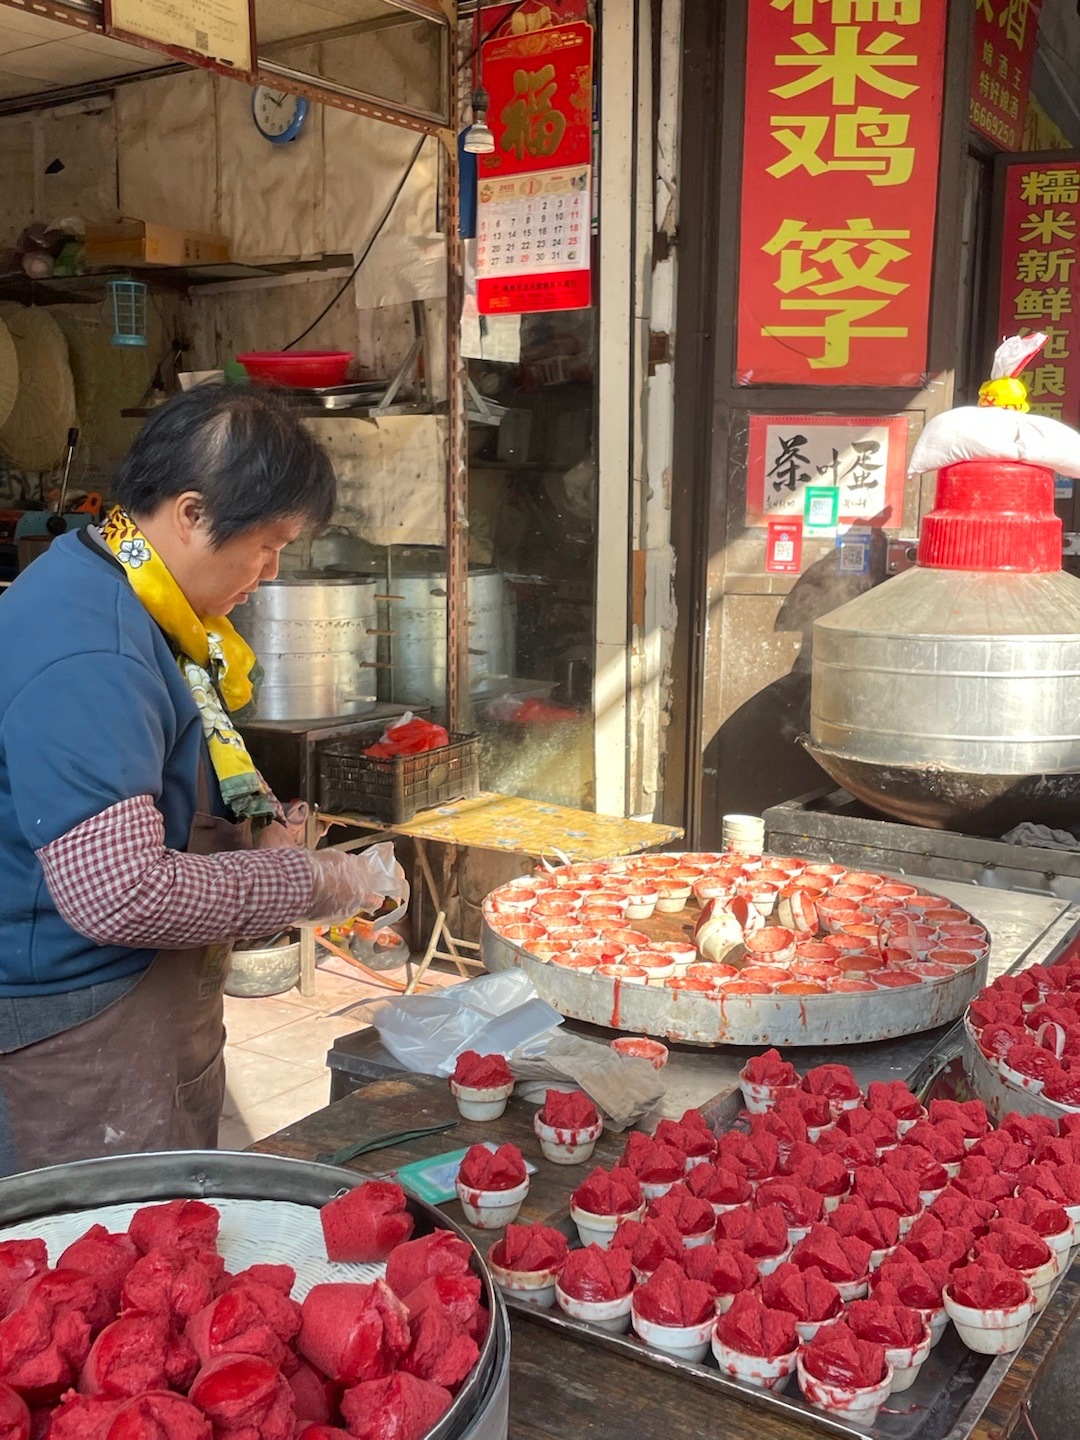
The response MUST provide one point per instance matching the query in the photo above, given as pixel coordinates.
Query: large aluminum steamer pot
(314, 637)
(479, 1411)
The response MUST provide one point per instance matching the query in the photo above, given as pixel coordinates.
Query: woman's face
(222, 577)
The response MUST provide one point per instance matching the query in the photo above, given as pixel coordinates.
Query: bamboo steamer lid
(34, 433)
(9, 373)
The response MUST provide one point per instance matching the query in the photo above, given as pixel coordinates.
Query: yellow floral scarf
(217, 663)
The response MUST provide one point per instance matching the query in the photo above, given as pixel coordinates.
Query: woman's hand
(276, 835)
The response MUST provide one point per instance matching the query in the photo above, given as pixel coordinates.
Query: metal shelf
(86, 289)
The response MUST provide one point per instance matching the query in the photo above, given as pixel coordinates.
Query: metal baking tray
(343, 397)
(945, 1403)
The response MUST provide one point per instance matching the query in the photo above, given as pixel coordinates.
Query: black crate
(395, 790)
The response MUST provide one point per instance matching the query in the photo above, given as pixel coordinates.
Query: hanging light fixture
(478, 137)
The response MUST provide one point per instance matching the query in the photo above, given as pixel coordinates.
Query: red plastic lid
(992, 515)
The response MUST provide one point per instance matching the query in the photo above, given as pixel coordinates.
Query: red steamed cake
(400, 1407)
(761, 1233)
(836, 1356)
(1018, 1245)
(878, 1126)
(960, 1212)
(163, 1416)
(760, 1156)
(279, 1310)
(20, 1260)
(928, 1171)
(366, 1223)
(14, 1415)
(1028, 1129)
(1033, 1061)
(1059, 1183)
(177, 1282)
(137, 1353)
(603, 1192)
(725, 1267)
(970, 1115)
(892, 1189)
(1056, 1152)
(458, 1294)
(895, 1326)
(978, 1178)
(719, 1184)
(651, 1162)
(691, 1137)
(843, 1259)
(106, 1257)
(804, 1294)
(1008, 1156)
(1064, 1088)
(176, 1222)
(944, 1139)
(750, 1328)
(988, 1287)
(917, 1283)
(314, 1396)
(68, 1290)
(894, 1097)
(997, 1039)
(593, 1274)
(481, 1072)
(880, 1228)
(687, 1213)
(279, 1277)
(528, 1248)
(669, 1297)
(801, 1205)
(1033, 1209)
(325, 1432)
(79, 1417)
(785, 1122)
(484, 1169)
(928, 1239)
(235, 1324)
(770, 1069)
(440, 1253)
(354, 1332)
(441, 1351)
(42, 1351)
(814, 1109)
(573, 1111)
(245, 1398)
(851, 1150)
(834, 1082)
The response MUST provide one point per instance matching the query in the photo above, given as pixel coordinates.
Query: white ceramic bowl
(564, 1146)
(807, 1329)
(653, 1190)
(773, 1262)
(484, 1104)
(858, 1407)
(1042, 1280)
(853, 1289)
(532, 1287)
(991, 1332)
(759, 1099)
(492, 1209)
(600, 1229)
(686, 1342)
(1062, 1244)
(692, 1242)
(754, 1369)
(907, 1361)
(610, 1315)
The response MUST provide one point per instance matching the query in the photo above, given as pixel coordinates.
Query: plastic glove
(345, 883)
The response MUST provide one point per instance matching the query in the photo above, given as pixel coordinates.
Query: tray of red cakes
(738, 949)
(209, 1296)
(863, 1262)
(1022, 1041)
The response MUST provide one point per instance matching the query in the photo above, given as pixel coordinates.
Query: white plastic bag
(494, 1014)
(385, 879)
(977, 432)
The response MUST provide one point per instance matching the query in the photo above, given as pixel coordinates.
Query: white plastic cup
(483, 1104)
(610, 1315)
(685, 1342)
(859, 1407)
(563, 1146)
(991, 1332)
(492, 1209)
(600, 1229)
(754, 1370)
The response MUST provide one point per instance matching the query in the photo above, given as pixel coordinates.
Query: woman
(136, 837)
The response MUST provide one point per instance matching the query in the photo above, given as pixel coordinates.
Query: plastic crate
(397, 789)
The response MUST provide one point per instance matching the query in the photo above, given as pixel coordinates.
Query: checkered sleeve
(114, 880)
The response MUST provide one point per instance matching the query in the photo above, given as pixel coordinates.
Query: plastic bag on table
(494, 1014)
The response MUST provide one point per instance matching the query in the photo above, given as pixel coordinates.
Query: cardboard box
(138, 242)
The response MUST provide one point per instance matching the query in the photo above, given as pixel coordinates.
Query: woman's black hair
(245, 451)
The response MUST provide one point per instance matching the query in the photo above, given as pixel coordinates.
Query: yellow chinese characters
(1043, 271)
(863, 140)
(853, 12)
(533, 125)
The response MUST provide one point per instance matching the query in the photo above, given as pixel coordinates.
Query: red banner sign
(540, 86)
(840, 159)
(1005, 34)
(1040, 230)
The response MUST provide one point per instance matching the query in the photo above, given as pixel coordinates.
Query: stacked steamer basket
(736, 948)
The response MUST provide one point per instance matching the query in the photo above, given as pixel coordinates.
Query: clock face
(278, 115)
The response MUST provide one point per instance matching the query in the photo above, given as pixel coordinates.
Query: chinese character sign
(1039, 249)
(540, 86)
(863, 458)
(1005, 34)
(842, 127)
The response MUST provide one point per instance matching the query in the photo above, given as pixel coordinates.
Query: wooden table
(564, 1390)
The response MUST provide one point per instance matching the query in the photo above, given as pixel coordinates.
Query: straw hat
(35, 432)
(9, 373)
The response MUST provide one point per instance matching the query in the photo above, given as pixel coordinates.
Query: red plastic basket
(297, 369)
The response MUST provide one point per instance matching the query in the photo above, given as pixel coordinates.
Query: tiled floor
(276, 1053)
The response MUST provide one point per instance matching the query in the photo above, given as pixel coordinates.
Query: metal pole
(457, 487)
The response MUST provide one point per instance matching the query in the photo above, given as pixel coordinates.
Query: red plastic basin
(297, 369)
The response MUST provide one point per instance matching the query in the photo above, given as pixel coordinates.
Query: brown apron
(148, 1072)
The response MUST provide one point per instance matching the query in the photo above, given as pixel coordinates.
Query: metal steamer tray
(258, 1196)
(953, 1389)
(750, 1020)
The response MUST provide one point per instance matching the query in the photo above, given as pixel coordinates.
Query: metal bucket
(416, 653)
(314, 637)
(479, 1411)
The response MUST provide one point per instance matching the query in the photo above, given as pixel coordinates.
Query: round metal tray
(1000, 1095)
(752, 1020)
(210, 1175)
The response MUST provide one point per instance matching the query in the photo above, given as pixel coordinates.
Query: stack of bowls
(744, 832)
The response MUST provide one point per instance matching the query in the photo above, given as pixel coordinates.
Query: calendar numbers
(522, 232)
